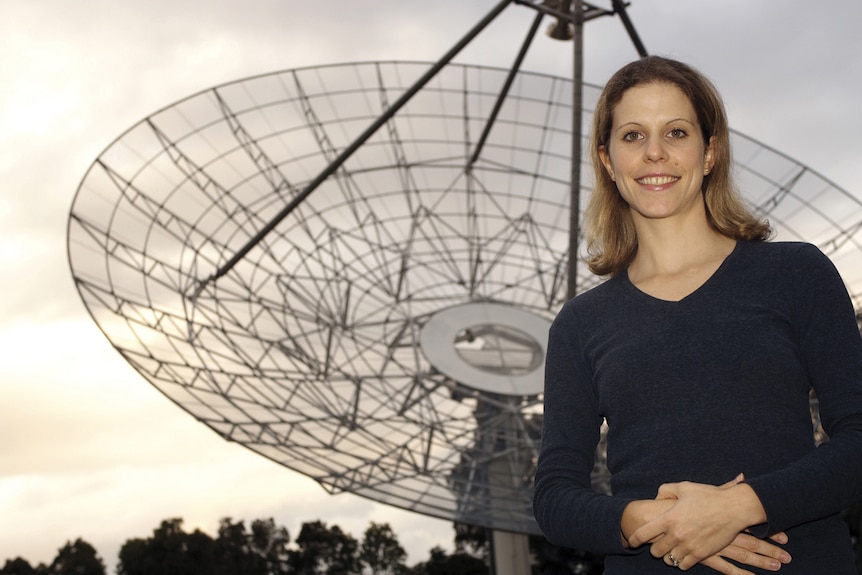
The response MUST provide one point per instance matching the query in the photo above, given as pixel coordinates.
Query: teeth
(656, 180)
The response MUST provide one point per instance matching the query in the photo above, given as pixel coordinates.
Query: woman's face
(656, 153)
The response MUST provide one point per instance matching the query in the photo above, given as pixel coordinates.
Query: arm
(828, 478)
(569, 512)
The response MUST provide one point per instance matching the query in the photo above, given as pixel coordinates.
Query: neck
(672, 247)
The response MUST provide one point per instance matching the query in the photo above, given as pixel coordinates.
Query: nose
(655, 150)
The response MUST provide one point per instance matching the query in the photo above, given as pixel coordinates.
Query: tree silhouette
(78, 558)
(472, 539)
(380, 550)
(459, 563)
(261, 551)
(20, 566)
(170, 550)
(323, 550)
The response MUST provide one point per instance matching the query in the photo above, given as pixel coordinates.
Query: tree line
(264, 548)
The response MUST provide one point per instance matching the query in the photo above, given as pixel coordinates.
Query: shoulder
(596, 298)
(780, 249)
(595, 307)
(788, 256)
(797, 269)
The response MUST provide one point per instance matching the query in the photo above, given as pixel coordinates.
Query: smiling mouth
(656, 180)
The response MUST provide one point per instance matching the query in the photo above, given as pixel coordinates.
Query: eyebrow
(687, 121)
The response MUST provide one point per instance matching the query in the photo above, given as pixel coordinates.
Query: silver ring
(673, 560)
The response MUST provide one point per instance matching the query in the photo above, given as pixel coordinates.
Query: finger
(660, 547)
(649, 532)
(659, 551)
(688, 562)
(668, 560)
(672, 560)
(747, 557)
(780, 537)
(719, 564)
(759, 547)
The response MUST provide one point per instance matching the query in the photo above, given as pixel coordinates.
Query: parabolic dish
(387, 337)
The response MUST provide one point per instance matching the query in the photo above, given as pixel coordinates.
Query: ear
(605, 157)
(708, 156)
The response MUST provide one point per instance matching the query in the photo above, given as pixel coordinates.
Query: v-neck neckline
(705, 286)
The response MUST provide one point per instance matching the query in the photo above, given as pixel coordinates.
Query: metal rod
(516, 66)
(577, 114)
(339, 161)
(620, 8)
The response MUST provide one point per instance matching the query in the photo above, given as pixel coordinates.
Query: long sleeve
(569, 512)
(829, 478)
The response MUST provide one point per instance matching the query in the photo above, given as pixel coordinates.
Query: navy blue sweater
(701, 390)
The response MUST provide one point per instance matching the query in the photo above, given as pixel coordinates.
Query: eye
(632, 136)
(677, 133)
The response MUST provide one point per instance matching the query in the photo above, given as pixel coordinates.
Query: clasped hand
(707, 524)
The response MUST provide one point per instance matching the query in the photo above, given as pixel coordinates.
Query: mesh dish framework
(387, 337)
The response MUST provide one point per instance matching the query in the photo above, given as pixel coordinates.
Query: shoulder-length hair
(611, 238)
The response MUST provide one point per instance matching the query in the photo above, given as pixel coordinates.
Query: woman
(699, 352)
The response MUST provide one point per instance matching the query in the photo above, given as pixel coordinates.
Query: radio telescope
(376, 321)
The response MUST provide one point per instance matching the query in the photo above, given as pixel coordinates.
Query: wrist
(748, 504)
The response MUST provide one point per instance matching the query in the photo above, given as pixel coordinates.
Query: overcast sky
(89, 448)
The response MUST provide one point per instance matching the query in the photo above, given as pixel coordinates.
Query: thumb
(668, 491)
(735, 481)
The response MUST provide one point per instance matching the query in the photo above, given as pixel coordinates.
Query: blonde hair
(611, 238)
